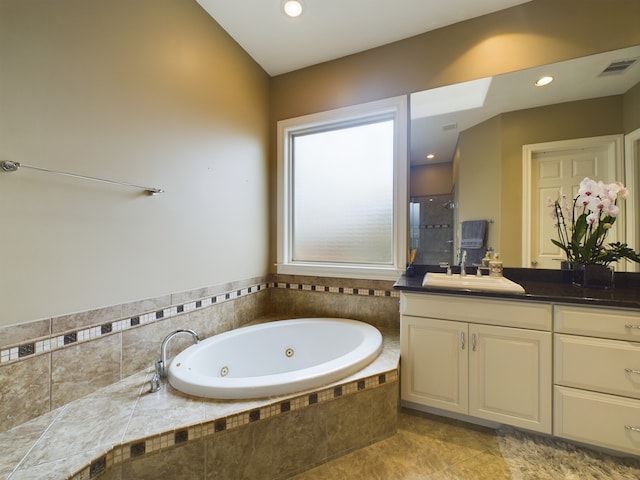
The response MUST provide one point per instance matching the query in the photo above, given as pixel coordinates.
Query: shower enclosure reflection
(431, 222)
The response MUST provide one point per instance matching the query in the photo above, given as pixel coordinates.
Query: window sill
(339, 271)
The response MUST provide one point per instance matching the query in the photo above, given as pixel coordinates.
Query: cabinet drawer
(518, 314)
(598, 419)
(609, 366)
(597, 322)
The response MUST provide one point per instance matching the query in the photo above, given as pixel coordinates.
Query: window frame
(395, 108)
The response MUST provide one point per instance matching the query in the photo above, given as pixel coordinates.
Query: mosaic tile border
(157, 443)
(41, 345)
(92, 332)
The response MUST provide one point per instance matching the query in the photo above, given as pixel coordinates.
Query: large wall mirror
(467, 149)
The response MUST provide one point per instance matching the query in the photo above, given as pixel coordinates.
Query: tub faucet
(161, 364)
(155, 380)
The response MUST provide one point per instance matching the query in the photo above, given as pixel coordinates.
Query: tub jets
(161, 364)
(274, 358)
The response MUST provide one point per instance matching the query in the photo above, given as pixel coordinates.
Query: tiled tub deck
(122, 431)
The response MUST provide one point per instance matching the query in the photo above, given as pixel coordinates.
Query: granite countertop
(542, 286)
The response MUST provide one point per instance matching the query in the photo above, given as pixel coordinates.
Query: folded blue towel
(474, 234)
(475, 255)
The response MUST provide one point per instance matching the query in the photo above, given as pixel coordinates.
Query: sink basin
(471, 282)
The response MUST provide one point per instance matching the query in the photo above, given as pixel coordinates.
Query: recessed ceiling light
(430, 156)
(542, 81)
(292, 8)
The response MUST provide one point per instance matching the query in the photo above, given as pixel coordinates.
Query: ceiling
(330, 29)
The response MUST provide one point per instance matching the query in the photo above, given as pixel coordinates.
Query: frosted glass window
(343, 194)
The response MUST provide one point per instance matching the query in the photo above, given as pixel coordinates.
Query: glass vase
(592, 276)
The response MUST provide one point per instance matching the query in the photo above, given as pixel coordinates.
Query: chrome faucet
(447, 266)
(161, 364)
(462, 256)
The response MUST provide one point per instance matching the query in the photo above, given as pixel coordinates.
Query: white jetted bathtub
(275, 358)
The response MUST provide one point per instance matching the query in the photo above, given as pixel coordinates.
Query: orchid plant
(583, 227)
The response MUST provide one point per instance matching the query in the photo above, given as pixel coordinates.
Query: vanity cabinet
(490, 359)
(597, 376)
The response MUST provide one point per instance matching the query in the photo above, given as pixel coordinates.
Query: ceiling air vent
(450, 126)
(618, 67)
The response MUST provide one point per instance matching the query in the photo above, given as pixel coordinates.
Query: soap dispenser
(486, 259)
(495, 266)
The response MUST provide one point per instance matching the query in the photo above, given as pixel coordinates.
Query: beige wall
(480, 177)
(631, 109)
(587, 118)
(431, 179)
(535, 33)
(490, 173)
(490, 161)
(532, 34)
(150, 92)
(154, 92)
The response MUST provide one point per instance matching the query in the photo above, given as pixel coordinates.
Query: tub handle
(155, 380)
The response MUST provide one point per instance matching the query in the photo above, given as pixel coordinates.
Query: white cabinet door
(590, 417)
(510, 376)
(434, 363)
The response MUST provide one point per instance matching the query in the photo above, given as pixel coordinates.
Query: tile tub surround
(122, 430)
(55, 361)
(439, 448)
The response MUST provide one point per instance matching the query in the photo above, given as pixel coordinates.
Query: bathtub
(275, 358)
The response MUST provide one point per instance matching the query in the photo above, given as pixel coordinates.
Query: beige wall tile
(145, 305)
(358, 420)
(141, 345)
(193, 295)
(12, 334)
(24, 390)
(81, 369)
(250, 307)
(180, 463)
(299, 440)
(383, 312)
(273, 448)
(75, 321)
(211, 321)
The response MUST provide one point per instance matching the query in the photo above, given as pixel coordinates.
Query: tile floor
(432, 448)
